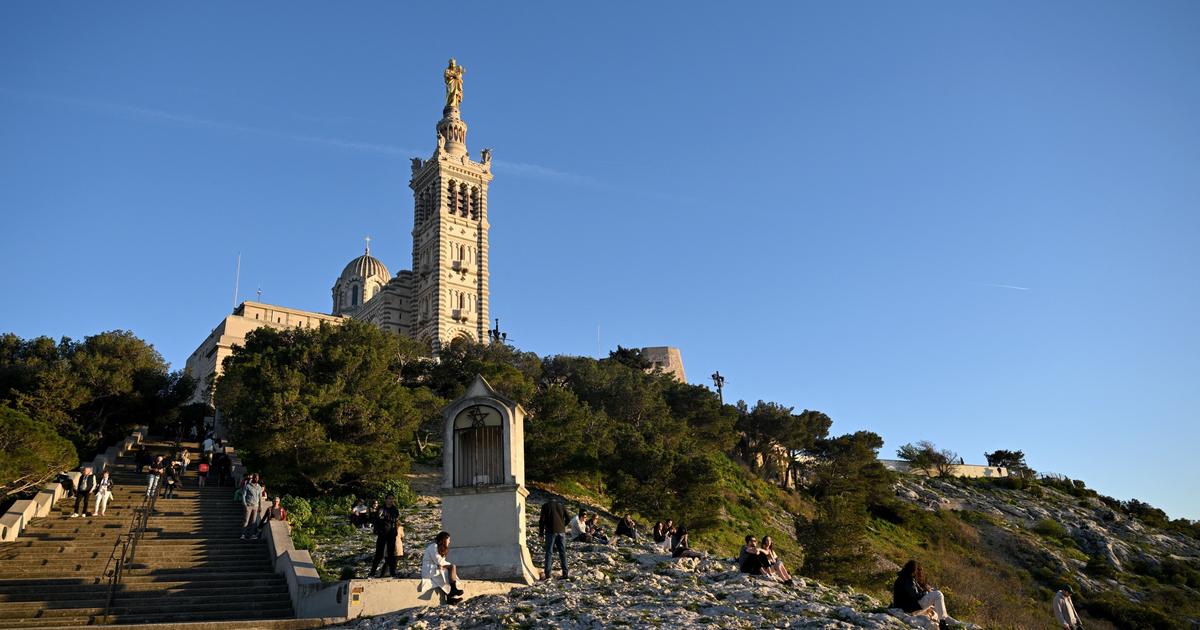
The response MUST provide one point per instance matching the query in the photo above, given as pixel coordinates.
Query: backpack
(203, 469)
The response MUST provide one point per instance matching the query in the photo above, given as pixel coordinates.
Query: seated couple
(761, 559)
(437, 572)
(585, 527)
(912, 594)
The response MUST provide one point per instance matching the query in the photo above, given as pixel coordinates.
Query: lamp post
(495, 335)
(719, 381)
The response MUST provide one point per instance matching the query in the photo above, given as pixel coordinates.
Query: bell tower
(450, 231)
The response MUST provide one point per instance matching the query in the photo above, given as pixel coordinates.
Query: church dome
(360, 281)
(366, 266)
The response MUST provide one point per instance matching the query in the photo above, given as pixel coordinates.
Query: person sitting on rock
(437, 572)
(597, 533)
(659, 533)
(912, 594)
(750, 558)
(577, 528)
(358, 514)
(627, 528)
(682, 549)
(774, 566)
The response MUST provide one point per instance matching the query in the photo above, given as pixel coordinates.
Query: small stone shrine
(483, 486)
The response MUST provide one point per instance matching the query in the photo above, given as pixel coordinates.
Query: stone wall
(957, 470)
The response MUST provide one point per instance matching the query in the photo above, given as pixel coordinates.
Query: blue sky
(973, 223)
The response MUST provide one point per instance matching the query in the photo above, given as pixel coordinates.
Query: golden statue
(454, 79)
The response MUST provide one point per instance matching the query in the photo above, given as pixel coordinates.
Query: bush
(1048, 528)
(1098, 567)
(299, 512)
(399, 486)
(1126, 614)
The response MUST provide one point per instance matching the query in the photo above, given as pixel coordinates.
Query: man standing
(251, 496)
(552, 527)
(157, 470)
(84, 491)
(1064, 610)
(388, 533)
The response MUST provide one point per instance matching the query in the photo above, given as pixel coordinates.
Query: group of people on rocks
(760, 558)
(556, 530)
(259, 509)
(383, 520)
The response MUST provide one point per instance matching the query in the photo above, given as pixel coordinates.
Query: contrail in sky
(1003, 286)
(515, 168)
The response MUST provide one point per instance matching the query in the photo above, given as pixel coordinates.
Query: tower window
(354, 295)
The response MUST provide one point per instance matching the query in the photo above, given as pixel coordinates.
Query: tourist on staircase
(275, 512)
(251, 495)
(103, 494)
(172, 480)
(437, 572)
(84, 491)
(388, 534)
(202, 473)
(157, 470)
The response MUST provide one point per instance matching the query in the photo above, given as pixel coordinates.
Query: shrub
(299, 512)
(1052, 529)
(1126, 614)
(399, 486)
(1098, 567)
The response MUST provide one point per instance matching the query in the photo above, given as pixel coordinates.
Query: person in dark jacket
(626, 527)
(84, 491)
(386, 521)
(552, 525)
(912, 594)
(751, 559)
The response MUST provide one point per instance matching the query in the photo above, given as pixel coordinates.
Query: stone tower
(450, 233)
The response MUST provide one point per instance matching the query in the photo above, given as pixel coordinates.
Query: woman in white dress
(437, 572)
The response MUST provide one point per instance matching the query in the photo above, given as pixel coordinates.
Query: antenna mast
(237, 278)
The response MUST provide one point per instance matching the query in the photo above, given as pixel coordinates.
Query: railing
(125, 549)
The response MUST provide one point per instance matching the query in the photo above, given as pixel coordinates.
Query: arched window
(478, 447)
(354, 295)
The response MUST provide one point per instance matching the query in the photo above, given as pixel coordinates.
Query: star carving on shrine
(477, 415)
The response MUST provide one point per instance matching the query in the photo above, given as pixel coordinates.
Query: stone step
(35, 556)
(160, 589)
(135, 583)
(276, 604)
(179, 621)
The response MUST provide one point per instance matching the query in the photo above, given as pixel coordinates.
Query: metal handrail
(127, 543)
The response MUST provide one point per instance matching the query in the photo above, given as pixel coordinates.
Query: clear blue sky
(974, 223)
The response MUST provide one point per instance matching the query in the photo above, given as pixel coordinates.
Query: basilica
(443, 297)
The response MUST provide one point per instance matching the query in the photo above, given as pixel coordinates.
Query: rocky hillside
(996, 549)
(1033, 538)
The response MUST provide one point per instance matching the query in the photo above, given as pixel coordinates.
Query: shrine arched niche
(479, 453)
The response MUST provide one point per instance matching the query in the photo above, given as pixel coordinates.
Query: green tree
(320, 410)
(926, 456)
(835, 547)
(1014, 461)
(31, 452)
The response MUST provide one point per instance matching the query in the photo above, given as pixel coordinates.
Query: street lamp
(495, 335)
(719, 381)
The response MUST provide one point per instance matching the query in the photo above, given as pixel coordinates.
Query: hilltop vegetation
(62, 401)
(331, 411)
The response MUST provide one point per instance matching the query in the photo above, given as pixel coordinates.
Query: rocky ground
(628, 585)
(1097, 530)
(618, 586)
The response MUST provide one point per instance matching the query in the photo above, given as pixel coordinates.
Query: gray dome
(365, 267)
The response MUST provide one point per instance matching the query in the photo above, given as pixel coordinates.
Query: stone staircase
(191, 565)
